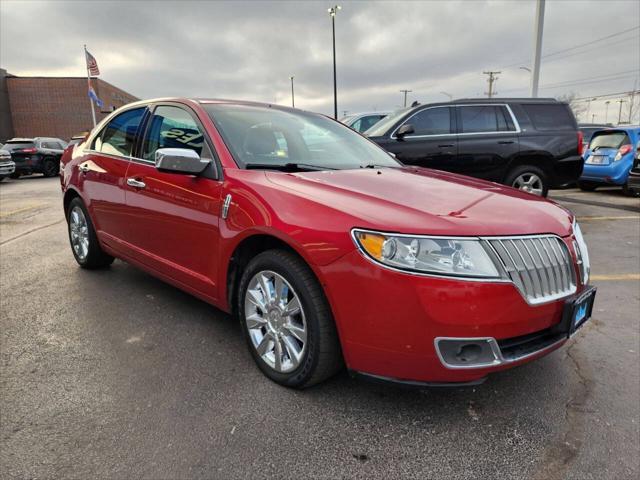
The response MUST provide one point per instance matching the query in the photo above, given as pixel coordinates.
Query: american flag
(92, 65)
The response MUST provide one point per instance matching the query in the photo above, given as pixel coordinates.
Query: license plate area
(577, 311)
(598, 160)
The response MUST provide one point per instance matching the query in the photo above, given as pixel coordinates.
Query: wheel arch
(543, 161)
(69, 195)
(247, 248)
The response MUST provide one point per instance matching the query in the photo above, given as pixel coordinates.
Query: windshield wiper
(287, 167)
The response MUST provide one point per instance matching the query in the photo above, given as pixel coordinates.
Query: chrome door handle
(84, 168)
(132, 182)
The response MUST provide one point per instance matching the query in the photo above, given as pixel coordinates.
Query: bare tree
(579, 107)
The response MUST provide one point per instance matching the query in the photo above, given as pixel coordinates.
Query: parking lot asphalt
(114, 374)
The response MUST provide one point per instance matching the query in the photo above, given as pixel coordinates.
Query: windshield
(380, 128)
(270, 138)
(608, 140)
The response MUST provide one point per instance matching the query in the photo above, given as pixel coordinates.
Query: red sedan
(327, 250)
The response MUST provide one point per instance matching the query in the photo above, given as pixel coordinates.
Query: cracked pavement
(114, 374)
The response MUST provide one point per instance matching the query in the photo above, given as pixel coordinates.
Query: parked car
(36, 155)
(610, 157)
(363, 121)
(328, 254)
(529, 144)
(633, 182)
(7, 167)
(588, 129)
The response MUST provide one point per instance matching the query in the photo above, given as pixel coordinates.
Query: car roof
(20, 140)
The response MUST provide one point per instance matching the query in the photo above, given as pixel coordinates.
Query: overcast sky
(248, 50)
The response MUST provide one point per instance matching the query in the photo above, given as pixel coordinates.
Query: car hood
(422, 201)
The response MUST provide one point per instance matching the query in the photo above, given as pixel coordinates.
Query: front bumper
(389, 321)
(7, 167)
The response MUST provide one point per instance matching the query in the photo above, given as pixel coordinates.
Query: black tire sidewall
(517, 171)
(49, 161)
(265, 261)
(95, 257)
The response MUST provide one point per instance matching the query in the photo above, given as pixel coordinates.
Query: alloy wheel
(529, 182)
(275, 321)
(79, 233)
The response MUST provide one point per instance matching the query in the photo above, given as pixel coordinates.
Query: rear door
(433, 143)
(102, 173)
(487, 141)
(173, 218)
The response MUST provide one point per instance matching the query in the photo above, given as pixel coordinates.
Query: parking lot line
(621, 276)
(621, 217)
(20, 210)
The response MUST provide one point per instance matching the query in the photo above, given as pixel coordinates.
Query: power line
(604, 95)
(580, 81)
(588, 50)
(579, 46)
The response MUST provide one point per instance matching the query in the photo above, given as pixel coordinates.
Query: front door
(433, 144)
(173, 218)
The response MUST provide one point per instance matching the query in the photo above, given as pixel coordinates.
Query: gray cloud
(248, 50)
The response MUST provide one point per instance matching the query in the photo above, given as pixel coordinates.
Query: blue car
(609, 158)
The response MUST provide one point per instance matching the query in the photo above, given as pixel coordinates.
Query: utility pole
(537, 52)
(631, 98)
(621, 101)
(606, 111)
(593, 118)
(492, 79)
(332, 13)
(405, 95)
(344, 113)
(293, 100)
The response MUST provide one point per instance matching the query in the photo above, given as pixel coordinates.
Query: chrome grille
(540, 267)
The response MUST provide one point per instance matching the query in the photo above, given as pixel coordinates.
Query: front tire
(529, 179)
(83, 239)
(286, 320)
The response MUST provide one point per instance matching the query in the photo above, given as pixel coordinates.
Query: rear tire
(630, 192)
(587, 186)
(529, 179)
(14, 175)
(290, 330)
(83, 239)
(49, 167)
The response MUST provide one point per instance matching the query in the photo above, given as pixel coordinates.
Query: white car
(363, 121)
(7, 166)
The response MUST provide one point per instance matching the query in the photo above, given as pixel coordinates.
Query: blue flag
(94, 97)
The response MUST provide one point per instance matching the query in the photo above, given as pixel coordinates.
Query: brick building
(53, 106)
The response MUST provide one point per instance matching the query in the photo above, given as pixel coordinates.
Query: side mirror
(406, 129)
(180, 160)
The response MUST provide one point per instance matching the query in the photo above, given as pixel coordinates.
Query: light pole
(293, 98)
(332, 13)
(593, 118)
(606, 111)
(537, 52)
(448, 95)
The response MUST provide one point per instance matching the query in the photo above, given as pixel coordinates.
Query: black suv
(530, 144)
(36, 155)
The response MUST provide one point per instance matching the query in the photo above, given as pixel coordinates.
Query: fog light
(468, 352)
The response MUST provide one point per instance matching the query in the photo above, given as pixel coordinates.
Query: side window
(550, 117)
(118, 137)
(48, 145)
(481, 118)
(173, 127)
(431, 121)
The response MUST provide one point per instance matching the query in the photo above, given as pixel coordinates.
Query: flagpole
(93, 112)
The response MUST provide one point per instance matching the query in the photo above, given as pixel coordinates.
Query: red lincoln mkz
(326, 248)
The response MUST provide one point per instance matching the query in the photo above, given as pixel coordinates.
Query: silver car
(7, 166)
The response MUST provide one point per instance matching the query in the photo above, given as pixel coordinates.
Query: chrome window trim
(119, 157)
(513, 119)
(495, 348)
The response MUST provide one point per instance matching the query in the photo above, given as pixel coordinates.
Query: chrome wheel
(529, 182)
(275, 321)
(79, 233)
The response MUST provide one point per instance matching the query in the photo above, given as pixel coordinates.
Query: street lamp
(448, 95)
(606, 111)
(525, 68)
(293, 101)
(332, 13)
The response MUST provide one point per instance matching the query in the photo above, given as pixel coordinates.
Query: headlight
(435, 255)
(582, 253)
